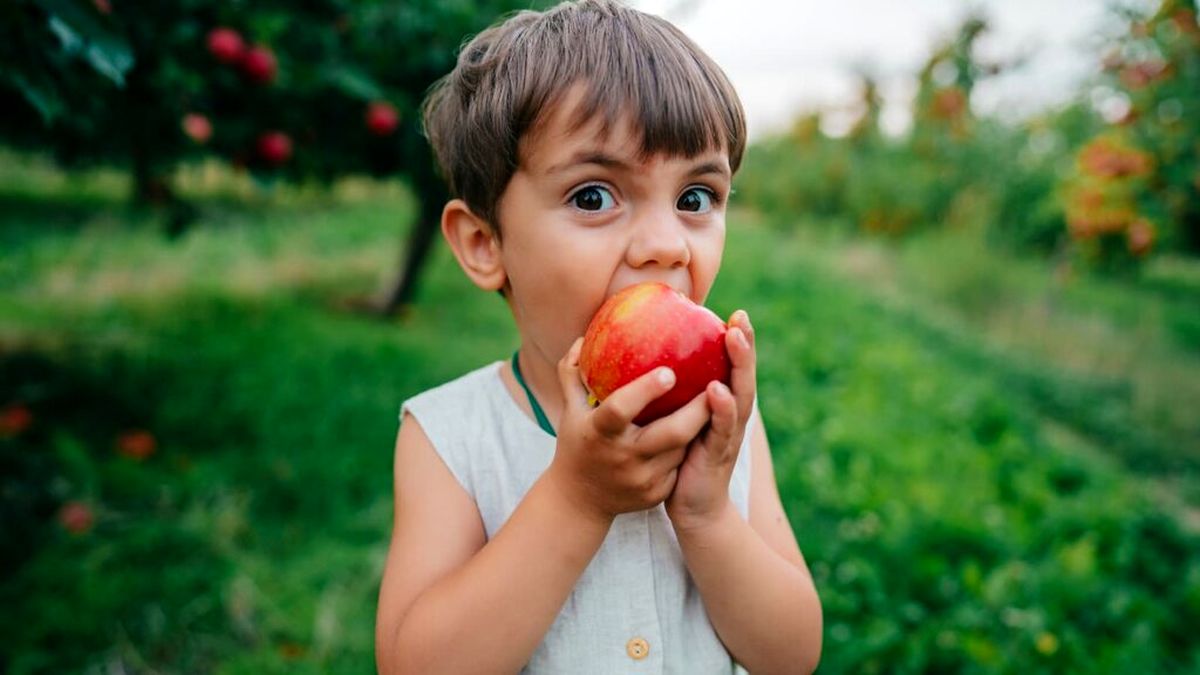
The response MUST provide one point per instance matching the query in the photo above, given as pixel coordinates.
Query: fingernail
(741, 338)
(666, 377)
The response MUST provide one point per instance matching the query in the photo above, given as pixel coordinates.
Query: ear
(475, 245)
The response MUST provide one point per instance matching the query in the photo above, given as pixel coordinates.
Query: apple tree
(309, 90)
(1136, 186)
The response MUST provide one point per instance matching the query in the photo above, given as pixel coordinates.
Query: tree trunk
(431, 194)
(151, 174)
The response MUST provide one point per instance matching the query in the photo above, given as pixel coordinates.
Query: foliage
(880, 184)
(1137, 186)
(147, 84)
(1110, 192)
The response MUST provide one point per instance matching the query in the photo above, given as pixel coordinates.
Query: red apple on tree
(14, 419)
(197, 127)
(647, 326)
(76, 517)
(274, 147)
(226, 45)
(258, 64)
(382, 118)
(137, 444)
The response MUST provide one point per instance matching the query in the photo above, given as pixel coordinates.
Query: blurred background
(967, 234)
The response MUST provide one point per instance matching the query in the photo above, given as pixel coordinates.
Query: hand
(604, 463)
(702, 488)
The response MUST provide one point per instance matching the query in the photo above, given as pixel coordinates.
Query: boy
(590, 147)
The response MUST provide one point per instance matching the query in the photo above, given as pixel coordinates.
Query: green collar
(542, 421)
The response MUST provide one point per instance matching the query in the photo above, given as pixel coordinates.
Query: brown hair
(511, 74)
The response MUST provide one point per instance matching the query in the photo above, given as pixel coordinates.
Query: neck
(541, 376)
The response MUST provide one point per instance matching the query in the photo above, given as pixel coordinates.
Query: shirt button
(637, 648)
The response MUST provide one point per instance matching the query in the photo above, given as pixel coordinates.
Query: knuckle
(590, 434)
(648, 486)
(677, 437)
(624, 467)
(604, 421)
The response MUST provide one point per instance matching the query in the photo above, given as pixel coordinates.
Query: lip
(684, 286)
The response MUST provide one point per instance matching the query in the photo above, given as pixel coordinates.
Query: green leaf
(41, 93)
(352, 82)
(81, 32)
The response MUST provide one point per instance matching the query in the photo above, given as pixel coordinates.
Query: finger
(667, 461)
(666, 486)
(724, 425)
(616, 412)
(743, 374)
(575, 395)
(741, 319)
(677, 429)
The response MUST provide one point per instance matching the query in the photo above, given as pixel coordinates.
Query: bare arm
(451, 603)
(756, 587)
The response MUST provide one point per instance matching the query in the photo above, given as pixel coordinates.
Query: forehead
(560, 135)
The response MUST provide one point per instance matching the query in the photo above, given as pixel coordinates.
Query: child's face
(583, 217)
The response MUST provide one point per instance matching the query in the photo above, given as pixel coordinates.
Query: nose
(659, 240)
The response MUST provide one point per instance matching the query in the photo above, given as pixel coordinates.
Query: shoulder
(459, 420)
(456, 393)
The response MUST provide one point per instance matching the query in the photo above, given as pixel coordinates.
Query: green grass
(961, 505)
(1115, 360)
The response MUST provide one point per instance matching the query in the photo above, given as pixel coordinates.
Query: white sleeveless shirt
(635, 609)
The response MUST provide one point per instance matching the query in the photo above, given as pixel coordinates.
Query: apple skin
(76, 517)
(275, 147)
(646, 326)
(197, 127)
(258, 65)
(382, 118)
(226, 45)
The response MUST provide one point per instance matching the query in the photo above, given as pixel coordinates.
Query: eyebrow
(611, 162)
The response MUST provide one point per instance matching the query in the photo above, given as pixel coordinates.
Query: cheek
(558, 282)
(707, 251)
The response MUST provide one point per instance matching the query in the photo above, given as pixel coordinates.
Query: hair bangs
(639, 68)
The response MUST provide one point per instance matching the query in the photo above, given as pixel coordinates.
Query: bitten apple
(647, 326)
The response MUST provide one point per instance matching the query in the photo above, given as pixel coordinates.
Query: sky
(784, 57)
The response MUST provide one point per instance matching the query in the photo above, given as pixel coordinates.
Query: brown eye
(695, 200)
(593, 198)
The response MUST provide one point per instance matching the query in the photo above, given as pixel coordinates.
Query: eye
(697, 200)
(593, 198)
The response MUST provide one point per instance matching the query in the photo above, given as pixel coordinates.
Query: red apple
(647, 326)
(1140, 237)
(382, 118)
(226, 45)
(14, 419)
(258, 64)
(76, 517)
(274, 147)
(137, 444)
(197, 127)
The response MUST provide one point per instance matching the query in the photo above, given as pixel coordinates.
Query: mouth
(683, 284)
